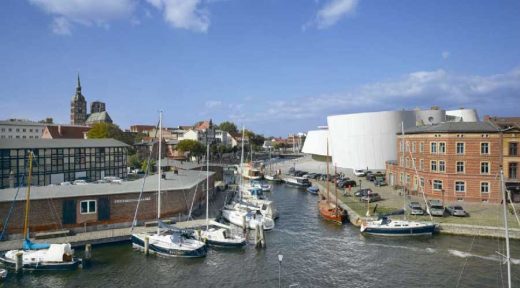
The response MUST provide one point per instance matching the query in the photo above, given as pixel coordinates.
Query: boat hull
(43, 266)
(332, 214)
(137, 242)
(222, 244)
(401, 231)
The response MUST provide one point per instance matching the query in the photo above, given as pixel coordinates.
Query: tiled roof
(66, 132)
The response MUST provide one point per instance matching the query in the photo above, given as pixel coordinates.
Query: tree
(229, 127)
(105, 130)
(191, 146)
(134, 161)
(144, 164)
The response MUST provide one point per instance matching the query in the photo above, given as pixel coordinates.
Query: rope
(12, 207)
(134, 221)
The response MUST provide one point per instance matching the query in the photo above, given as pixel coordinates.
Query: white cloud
(213, 104)
(494, 94)
(331, 13)
(184, 14)
(445, 54)
(84, 12)
(60, 25)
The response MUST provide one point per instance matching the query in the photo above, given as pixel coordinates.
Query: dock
(102, 236)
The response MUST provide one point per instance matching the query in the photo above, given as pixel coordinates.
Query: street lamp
(280, 258)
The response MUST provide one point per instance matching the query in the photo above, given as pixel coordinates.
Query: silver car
(456, 210)
(435, 208)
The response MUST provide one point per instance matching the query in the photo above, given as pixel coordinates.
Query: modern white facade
(316, 142)
(368, 140)
(20, 129)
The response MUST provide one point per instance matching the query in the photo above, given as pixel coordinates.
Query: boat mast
(27, 198)
(159, 173)
(207, 185)
(508, 256)
(241, 163)
(404, 150)
(327, 161)
(336, 186)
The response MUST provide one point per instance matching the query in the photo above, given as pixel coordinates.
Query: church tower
(78, 107)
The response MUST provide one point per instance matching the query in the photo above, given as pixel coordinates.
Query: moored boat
(332, 213)
(313, 190)
(297, 181)
(174, 244)
(388, 227)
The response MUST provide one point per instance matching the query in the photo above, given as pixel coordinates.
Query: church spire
(78, 88)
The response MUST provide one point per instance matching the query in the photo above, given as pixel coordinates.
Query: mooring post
(88, 251)
(19, 261)
(244, 223)
(262, 239)
(257, 236)
(146, 244)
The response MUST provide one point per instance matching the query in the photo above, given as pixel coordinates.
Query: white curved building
(368, 140)
(316, 142)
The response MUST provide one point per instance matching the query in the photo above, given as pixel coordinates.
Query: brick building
(454, 161)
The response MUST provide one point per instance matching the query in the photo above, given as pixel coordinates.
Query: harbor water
(315, 254)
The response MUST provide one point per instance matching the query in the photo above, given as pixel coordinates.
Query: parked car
(362, 192)
(371, 197)
(416, 208)
(370, 177)
(380, 181)
(80, 182)
(113, 179)
(347, 183)
(359, 172)
(66, 183)
(101, 181)
(435, 208)
(456, 210)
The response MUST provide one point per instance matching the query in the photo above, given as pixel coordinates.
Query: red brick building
(451, 161)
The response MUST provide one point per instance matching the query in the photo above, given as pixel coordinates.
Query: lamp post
(280, 258)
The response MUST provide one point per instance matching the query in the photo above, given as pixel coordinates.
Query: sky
(275, 66)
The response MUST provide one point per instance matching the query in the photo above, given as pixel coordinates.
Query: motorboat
(172, 243)
(54, 257)
(297, 181)
(252, 218)
(220, 235)
(313, 190)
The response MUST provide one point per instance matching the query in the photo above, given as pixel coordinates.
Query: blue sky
(276, 66)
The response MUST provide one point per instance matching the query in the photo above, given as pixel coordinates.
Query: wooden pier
(102, 236)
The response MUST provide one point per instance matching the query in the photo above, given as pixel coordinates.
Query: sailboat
(242, 215)
(329, 211)
(272, 177)
(168, 242)
(384, 226)
(39, 256)
(219, 235)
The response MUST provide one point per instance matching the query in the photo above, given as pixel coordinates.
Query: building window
(17, 130)
(17, 136)
(30, 130)
(407, 146)
(23, 130)
(433, 147)
(401, 162)
(460, 148)
(437, 185)
(10, 130)
(88, 206)
(513, 170)
(421, 147)
(422, 182)
(433, 166)
(484, 187)
(407, 162)
(442, 166)
(421, 164)
(484, 167)
(442, 147)
(401, 146)
(513, 149)
(460, 186)
(413, 147)
(484, 148)
(460, 167)
(36, 130)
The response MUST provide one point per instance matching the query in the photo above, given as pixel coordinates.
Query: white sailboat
(168, 242)
(242, 215)
(37, 256)
(217, 235)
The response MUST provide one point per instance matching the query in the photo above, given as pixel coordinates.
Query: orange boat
(331, 213)
(327, 210)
